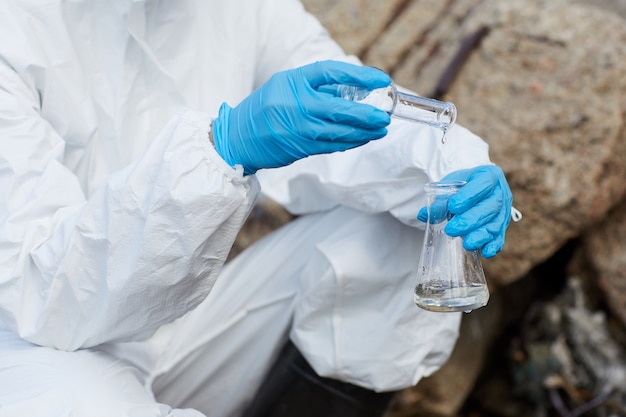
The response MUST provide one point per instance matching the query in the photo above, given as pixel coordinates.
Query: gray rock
(604, 247)
(355, 24)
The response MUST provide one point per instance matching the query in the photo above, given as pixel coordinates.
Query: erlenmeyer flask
(449, 277)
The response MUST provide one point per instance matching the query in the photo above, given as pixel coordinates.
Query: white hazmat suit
(117, 215)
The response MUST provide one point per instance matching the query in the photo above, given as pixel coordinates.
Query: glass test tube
(439, 114)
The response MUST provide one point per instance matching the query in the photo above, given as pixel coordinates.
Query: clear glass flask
(449, 277)
(439, 114)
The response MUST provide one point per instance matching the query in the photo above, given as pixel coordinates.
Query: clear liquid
(443, 136)
(451, 299)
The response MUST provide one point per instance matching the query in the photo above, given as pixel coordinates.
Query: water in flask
(449, 277)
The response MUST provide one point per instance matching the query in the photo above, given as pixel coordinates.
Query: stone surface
(605, 248)
(614, 6)
(355, 24)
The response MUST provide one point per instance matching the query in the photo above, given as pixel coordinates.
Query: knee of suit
(42, 382)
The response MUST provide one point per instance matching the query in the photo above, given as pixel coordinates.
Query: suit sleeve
(78, 270)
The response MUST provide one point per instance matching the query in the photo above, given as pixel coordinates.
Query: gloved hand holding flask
(481, 208)
(290, 117)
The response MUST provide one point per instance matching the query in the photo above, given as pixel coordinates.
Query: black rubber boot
(293, 389)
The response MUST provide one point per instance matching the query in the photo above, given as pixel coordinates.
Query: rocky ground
(544, 83)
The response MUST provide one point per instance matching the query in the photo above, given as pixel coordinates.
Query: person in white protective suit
(135, 137)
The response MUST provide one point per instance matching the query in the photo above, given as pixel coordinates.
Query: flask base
(444, 305)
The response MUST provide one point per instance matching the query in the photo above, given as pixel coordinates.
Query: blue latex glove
(291, 117)
(481, 209)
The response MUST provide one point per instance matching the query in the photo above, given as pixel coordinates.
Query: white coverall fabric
(117, 215)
